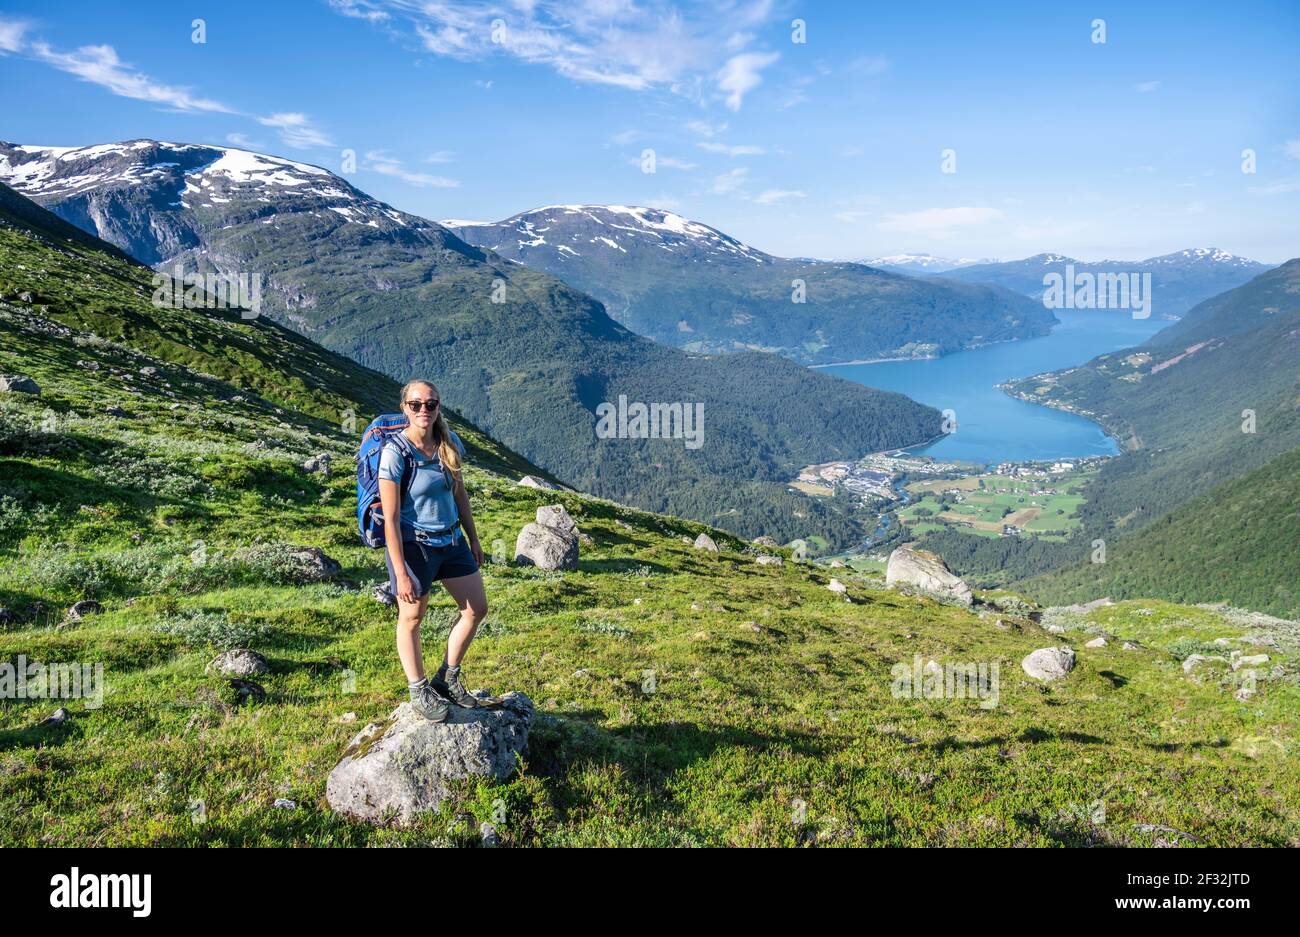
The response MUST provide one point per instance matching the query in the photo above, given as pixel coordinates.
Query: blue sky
(831, 147)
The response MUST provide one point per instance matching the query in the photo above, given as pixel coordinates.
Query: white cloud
(12, 33)
(634, 45)
(1146, 87)
(296, 130)
(729, 182)
(712, 147)
(705, 129)
(380, 162)
(741, 75)
(441, 156)
(100, 65)
(772, 196)
(938, 223)
(242, 141)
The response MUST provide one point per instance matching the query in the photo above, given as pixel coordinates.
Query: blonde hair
(447, 453)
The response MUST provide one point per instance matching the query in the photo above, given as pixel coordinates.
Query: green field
(1043, 506)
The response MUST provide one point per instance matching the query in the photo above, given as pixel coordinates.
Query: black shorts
(425, 564)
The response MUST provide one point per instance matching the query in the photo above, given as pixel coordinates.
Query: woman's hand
(476, 550)
(406, 588)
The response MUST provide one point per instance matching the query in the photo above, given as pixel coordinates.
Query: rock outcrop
(406, 766)
(927, 573)
(18, 384)
(239, 663)
(549, 543)
(532, 481)
(705, 542)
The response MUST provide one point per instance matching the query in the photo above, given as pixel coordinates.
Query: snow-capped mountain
(156, 199)
(1178, 281)
(688, 284)
(920, 264)
(572, 231)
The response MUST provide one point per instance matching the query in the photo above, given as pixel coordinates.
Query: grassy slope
(769, 689)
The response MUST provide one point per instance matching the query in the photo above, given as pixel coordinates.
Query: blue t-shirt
(430, 504)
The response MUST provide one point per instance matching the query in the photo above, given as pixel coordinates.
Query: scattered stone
(1251, 660)
(624, 524)
(836, 586)
(1054, 628)
(705, 542)
(752, 626)
(149, 371)
(318, 464)
(246, 691)
(240, 662)
(284, 803)
(408, 765)
(114, 410)
(549, 543)
(84, 609)
(18, 384)
(1131, 646)
(926, 572)
(1192, 662)
(1049, 663)
(347, 719)
(58, 717)
(766, 559)
(1099, 641)
(532, 481)
(764, 541)
(1145, 611)
(1244, 694)
(837, 564)
(488, 835)
(383, 594)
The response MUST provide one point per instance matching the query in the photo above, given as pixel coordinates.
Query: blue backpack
(385, 428)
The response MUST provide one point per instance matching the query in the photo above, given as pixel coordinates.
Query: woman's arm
(390, 500)
(467, 521)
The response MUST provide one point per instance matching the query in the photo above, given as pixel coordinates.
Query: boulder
(764, 541)
(114, 410)
(705, 542)
(532, 481)
(836, 586)
(383, 594)
(318, 464)
(557, 518)
(407, 765)
(1250, 660)
(928, 573)
(768, 560)
(18, 384)
(546, 547)
(1099, 641)
(85, 609)
(1049, 663)
(240, 662)
(1195, 660)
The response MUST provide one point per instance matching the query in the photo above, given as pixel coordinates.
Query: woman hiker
(424, 543)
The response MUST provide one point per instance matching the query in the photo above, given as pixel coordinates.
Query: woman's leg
(471, 599)
(409, 616)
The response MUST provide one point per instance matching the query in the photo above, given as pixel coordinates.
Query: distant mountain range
(920, 264)
(406, 296)
(1178, 281)
(684, 283)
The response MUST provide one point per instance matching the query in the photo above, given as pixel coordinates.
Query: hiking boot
(428, 703)
(447, 682)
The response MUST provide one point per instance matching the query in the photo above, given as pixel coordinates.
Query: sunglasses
(418, 405)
